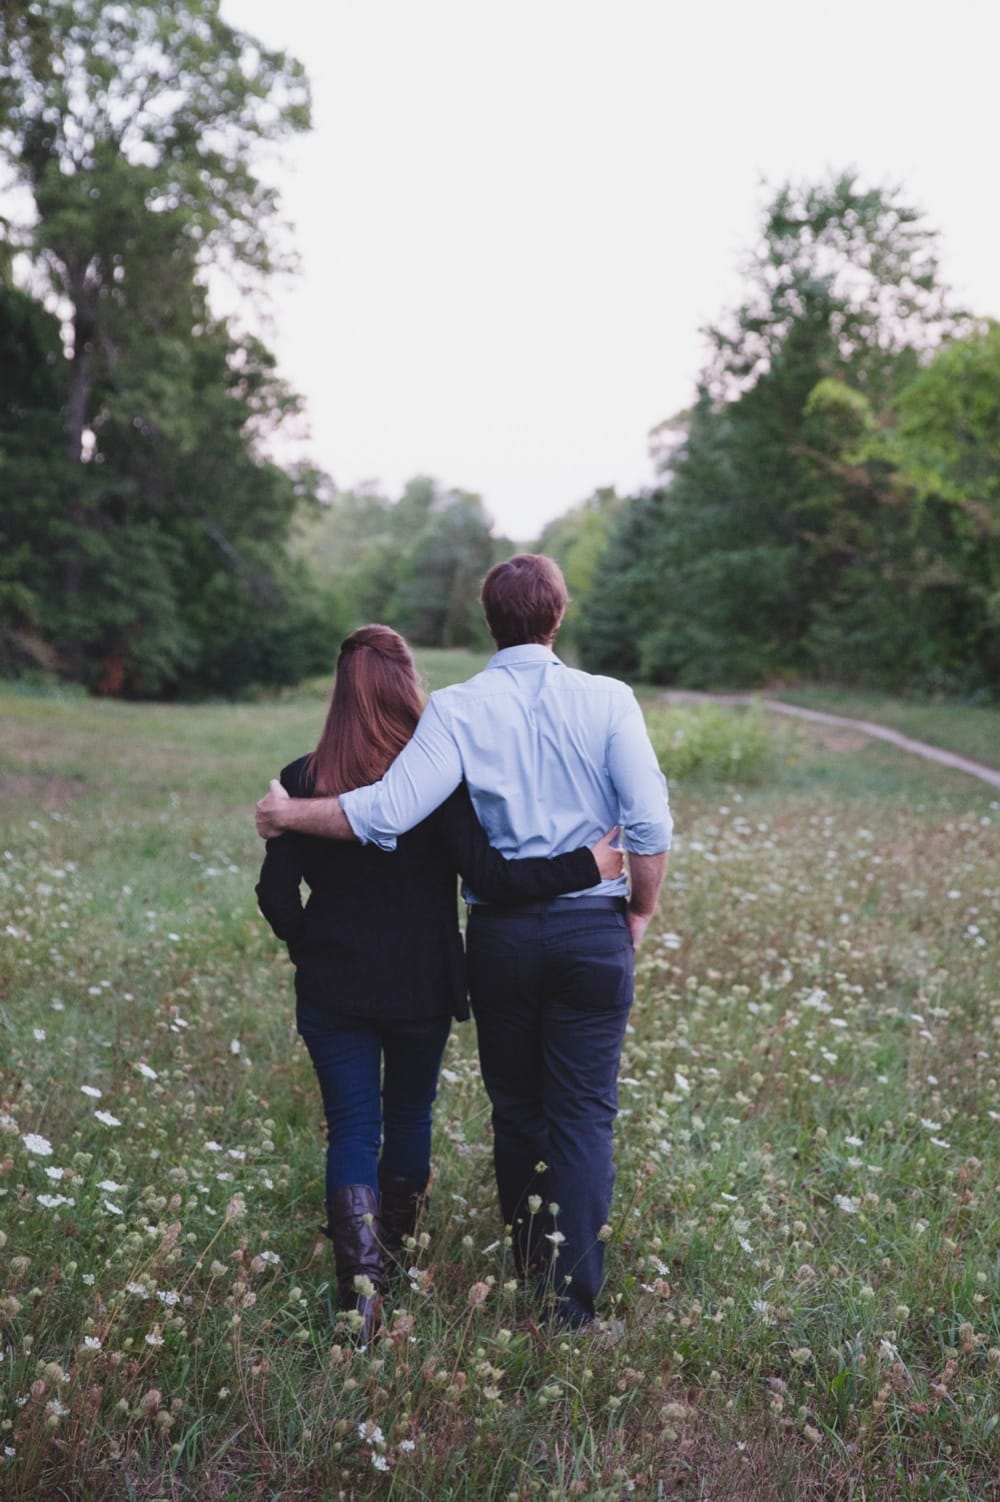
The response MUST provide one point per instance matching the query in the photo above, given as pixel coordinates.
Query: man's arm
(646, 873)
(645, 813)
(427, 769)
(643, 802)
(277, 812)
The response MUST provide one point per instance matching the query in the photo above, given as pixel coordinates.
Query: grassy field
(803, 1297)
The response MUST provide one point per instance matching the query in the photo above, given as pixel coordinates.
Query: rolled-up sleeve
(647, 823)
(424, 773)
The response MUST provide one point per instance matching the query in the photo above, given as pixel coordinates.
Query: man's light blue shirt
(553, 758)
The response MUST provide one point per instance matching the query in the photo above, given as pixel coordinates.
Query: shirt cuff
(651, 837)
(356, 808)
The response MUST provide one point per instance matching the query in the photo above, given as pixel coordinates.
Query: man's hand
(323, 817)
(270, 810)
(610, 862)
(645, 872)
(637, 925)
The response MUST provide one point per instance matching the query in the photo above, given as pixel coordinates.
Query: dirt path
(862, 727)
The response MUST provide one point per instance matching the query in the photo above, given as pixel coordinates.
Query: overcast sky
(513, 218)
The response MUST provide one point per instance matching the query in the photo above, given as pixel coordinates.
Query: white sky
(513, 217)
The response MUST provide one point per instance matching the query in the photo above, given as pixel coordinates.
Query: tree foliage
(416, 563)
(577, 541)
(811, 520)
(148, 525)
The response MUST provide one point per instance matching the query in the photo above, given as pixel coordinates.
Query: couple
(543, 759)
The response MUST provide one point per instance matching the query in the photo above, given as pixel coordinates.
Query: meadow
(803, 1294)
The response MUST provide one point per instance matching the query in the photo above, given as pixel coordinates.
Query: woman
(379, 961)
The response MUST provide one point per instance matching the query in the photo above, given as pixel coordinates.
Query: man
(552, 757)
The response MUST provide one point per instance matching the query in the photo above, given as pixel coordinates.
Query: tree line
(829, 506)
(148, 544)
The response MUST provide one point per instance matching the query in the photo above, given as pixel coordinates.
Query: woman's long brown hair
(374, 709)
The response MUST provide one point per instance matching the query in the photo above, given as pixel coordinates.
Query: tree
(33, 474)
(746, 540)
(843, 278)
(577, 540)
(436, 601)
(355, 543)
(134, 127)
(949, 457)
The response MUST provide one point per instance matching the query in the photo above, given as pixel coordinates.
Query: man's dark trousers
(551, 988)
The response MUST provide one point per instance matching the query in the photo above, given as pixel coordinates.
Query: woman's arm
(493, 878)
(278, 894)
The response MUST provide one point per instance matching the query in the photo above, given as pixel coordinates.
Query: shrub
(717, 744)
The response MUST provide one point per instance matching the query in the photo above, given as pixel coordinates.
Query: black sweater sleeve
(491, 875)
(278, 894)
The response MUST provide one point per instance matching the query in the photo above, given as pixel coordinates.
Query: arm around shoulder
(277, 813)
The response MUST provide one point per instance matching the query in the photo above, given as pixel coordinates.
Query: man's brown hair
(523, 600)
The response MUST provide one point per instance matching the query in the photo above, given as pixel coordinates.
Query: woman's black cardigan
(378, 938)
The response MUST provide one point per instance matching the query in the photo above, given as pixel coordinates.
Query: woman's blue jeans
(378, 1082)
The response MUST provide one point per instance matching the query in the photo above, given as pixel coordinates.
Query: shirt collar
(528, 652)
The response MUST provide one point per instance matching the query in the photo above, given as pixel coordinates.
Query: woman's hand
(610, 862)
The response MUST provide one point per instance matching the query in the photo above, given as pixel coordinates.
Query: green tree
(436, 601)
(134, 127)
(356, 542)
(577, 540)
(722, 576)
(949, 460)
(33, 475)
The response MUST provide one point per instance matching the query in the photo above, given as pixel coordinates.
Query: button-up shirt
(553, 758)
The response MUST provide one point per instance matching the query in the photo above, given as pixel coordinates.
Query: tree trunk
(77, 403)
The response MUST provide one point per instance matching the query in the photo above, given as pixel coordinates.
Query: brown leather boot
(401, 1204)
(353, 1227)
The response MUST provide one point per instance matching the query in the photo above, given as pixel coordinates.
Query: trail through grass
(968, 729)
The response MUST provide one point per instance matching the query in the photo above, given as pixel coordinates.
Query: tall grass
(803, 1295)
(710, 743)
